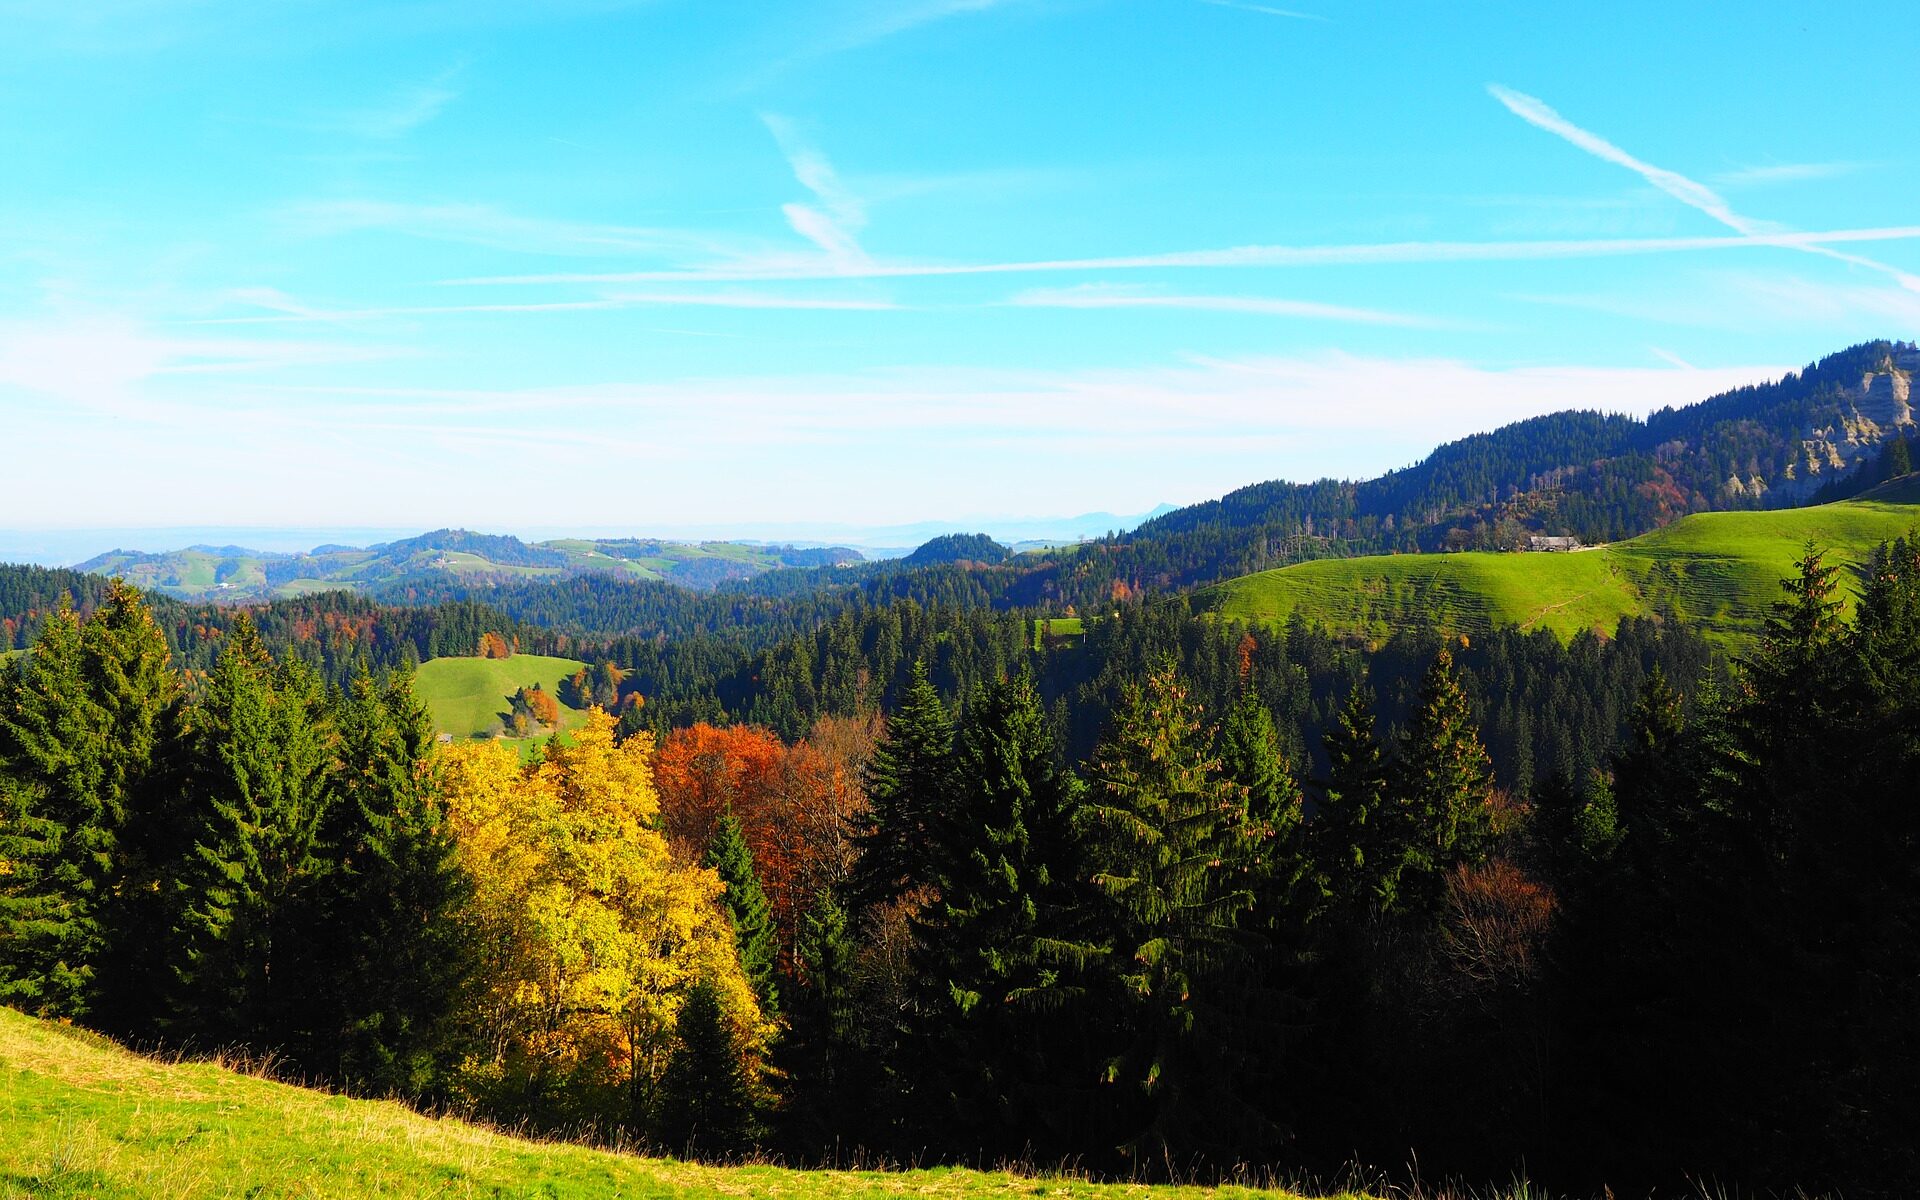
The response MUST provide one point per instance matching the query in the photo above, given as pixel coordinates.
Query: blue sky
(585, 263)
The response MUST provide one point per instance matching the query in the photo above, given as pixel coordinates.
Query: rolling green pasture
(81, 1117)
(465, 696)
(1718, 571)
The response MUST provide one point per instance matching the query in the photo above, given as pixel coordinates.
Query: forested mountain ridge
(1595, 476)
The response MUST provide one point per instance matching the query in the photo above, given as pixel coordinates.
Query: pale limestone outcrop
(1881, 407)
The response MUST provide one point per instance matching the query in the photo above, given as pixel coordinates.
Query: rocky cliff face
(1881, 407)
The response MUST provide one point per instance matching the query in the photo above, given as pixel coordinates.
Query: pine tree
(821, 1054)
(1251, 754)
(909, 785)
(1162, 820)
(143, 703)
(1442, 788)
(705, 1102)
(1251, 757)
(1899, 459)
(1886, 644)
(1004, 857)
(1357, 848)
(124, 660)
(1792, 682)
(257, 797)
(387, 957)
(1653, 786)
(748, 908)
(1795, 720)
(46, 928)
(85, 726)
(59, 833)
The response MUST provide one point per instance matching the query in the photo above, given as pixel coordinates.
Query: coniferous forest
(924, 880)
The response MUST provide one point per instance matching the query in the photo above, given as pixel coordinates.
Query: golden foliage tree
(594, 932)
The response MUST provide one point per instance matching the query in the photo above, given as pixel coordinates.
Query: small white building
(1538, 543)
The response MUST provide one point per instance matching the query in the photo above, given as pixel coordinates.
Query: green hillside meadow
(465, 696)
(1719, 571)
(81, 1117)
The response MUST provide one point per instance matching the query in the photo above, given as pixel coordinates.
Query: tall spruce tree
(86, 727)
(1162, 821)
(1442, 786)
(1251, 756)
(705, 1104)
(1004, 861)
(257, 797)
(47, 931)
(385, 954)
(1356, 844)
(821, 1054)
(1654, 785)
(748, 908)
(909, 781)
(60, 831)
(143, 704)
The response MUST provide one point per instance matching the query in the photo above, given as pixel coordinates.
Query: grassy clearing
(1719, 571)
(1068, 629)
(80, 1116)
(465, 696)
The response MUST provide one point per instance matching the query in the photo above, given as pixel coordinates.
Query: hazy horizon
(57, 546)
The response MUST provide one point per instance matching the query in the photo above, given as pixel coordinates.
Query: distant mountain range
(235, 573)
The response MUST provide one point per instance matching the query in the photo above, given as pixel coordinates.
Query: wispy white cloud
(1267, 9)
(1230, 257)
(759, 300)
(834, 223)
(1756, 301)
(486, 225)
(1777, 173)
(881, 21)
(285, 310)
(103, 362)
(1688, 191)
(1181, 430)
(1109, 296)
(1791, 298)
(1668, 356)
(1205, 402)
(401, 113)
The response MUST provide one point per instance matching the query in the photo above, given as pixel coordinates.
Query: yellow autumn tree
(592, 931)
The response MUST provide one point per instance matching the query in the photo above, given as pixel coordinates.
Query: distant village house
(1537, 543)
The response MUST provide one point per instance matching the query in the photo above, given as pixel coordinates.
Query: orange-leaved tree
(794, 805)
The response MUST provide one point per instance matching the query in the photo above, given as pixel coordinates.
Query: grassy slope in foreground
(465, 696)
(80, 1116)
(1718, 571)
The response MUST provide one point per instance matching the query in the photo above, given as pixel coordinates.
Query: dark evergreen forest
(1168, 896)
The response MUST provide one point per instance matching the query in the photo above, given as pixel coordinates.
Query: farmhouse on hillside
(1538, 544)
